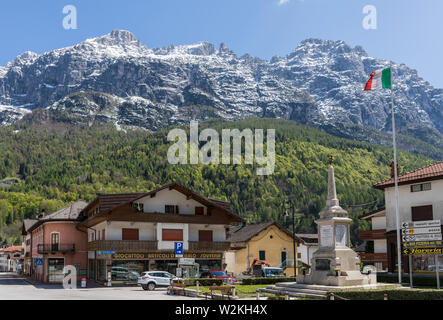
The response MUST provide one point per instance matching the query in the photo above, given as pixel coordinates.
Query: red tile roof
(11, 249)
(431, 172)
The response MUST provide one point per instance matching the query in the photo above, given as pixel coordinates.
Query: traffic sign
(422, 230)
(38, 261)
(421, 224)
(419, 251)
(421, 237)
(178, 248)
(423, 244)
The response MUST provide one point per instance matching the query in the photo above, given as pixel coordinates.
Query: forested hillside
(51, 166)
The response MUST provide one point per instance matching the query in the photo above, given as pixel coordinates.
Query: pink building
(55, 242)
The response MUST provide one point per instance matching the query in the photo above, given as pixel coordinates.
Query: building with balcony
(420, 198)
(135, 232)
(375, 248)
(53, 241)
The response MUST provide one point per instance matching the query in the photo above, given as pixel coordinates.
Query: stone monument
(334, 263)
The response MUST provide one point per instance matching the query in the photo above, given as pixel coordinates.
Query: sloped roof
(246, 232)
(371, 214)
(70, 212)
(311, 238)
(27, 224)
(11, 249)
(109, 202)
(430, 172)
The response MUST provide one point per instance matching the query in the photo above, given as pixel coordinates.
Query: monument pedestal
(334, 263)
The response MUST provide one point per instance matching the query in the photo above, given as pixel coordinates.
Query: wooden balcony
(373, 257)
(209, 246)
(123, 245)
(373, 234)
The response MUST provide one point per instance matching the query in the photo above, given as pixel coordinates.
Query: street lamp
(286, 214)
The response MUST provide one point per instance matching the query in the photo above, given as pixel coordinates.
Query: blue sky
(408, 31)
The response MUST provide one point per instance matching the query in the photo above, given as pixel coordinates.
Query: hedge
(393, 294)
(417, 280)
(203, 282)
(271, 280)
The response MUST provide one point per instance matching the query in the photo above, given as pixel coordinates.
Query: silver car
(149, 280)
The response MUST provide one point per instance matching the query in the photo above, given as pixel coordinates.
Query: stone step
(294, 286)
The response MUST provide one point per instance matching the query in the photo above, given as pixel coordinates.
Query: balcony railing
(374, 257)
(55, 248)
(122, 245)
(209, 246)
(373, 234)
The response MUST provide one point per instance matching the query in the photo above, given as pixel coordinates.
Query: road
(14, 287)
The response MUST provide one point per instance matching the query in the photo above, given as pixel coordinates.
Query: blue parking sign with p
(178, 248)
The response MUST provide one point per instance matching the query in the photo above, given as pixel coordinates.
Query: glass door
(55, 240)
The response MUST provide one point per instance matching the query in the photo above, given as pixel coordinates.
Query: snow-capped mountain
(113, 78)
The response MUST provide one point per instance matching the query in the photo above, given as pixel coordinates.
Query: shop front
(127, 267)
(55, 270)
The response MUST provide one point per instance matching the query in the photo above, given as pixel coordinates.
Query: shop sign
(423, 244)
(186, 261)
(164, 256)
(419, 251)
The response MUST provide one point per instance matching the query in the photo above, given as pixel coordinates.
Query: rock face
(113, 78)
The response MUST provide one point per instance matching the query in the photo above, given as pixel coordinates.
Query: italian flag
(379, 79)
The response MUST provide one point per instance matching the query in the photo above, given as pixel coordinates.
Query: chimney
(392, 170)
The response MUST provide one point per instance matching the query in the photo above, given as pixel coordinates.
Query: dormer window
(421, 187)
(199, 211)
(172, 209)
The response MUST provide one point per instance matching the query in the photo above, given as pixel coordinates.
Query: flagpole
(397, 215)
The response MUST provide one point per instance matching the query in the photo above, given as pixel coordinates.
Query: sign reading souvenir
(165, 256)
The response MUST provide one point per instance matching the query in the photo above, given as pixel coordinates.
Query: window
(421, 187)
(172, 234)
(129, 234)
(205, 235)
(199, 211)
(55, 240)
(422, 213)
(171, 209)
(103, 235)
(262, 255)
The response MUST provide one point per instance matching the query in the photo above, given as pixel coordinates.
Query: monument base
(346, 278)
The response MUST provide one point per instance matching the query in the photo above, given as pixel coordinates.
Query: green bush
(418, 280)
(203, 282)
(266, 280)
(393, 294)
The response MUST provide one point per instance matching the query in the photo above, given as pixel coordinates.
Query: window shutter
(172, 234)
(130, 234)
(205, 235)
(422, 213)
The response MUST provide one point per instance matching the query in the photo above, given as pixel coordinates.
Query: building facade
(307, 246)
(269, 242)
(56, 242)
(131, 233)
(10, 258)
(420, 198)
(375, 252)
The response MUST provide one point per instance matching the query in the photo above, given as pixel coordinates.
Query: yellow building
(269, 242)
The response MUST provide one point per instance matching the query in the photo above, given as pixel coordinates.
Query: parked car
(149, 280)
(217, 274)
(123, 274)
(273, 272)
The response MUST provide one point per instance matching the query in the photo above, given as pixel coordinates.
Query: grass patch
(241, 290)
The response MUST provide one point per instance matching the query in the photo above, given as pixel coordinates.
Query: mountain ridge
(114, 78)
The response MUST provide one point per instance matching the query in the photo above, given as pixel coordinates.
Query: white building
(136, 232)
(420, 198)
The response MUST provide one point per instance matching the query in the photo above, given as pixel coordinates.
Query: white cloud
(282, 2)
